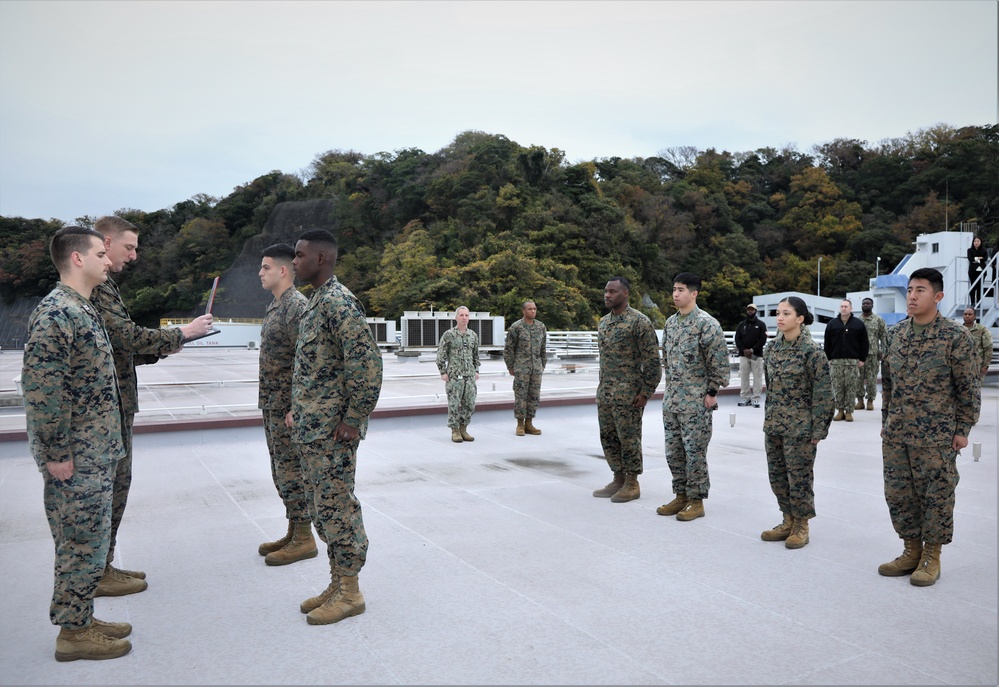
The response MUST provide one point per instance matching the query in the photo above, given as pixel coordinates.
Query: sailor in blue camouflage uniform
(799, 409)
(335, 386)
(696, 359)
(525, 357)
(630, 370)
(930, 402)
(278, 340)
(133, 345)
(458, 363)
(73, 416)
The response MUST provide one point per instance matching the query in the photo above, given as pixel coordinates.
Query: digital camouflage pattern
(72, 410)
(877, 336)
(525, 354)
(278, 340)
(930, 395)
(982, 339)
(799, 390)
(695, 356)
(132, 345)
(458, 358)
(845, 377)
(798, 409)
(338, 368)
(337, 378)
(629, 358)
(629, 366)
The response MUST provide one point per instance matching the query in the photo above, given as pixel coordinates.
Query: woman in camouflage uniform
(799, 408)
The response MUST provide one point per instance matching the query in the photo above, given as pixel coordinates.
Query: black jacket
(846, 340)
(750, 334)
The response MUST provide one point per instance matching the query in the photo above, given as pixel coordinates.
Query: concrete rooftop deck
(490, 563)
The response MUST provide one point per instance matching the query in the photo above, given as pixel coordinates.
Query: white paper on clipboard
(208, 311)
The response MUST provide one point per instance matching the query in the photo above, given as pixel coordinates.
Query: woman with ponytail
(798, 410)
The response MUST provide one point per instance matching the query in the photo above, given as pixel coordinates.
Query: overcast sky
(110, 105)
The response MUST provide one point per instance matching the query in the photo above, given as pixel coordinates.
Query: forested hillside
(487, 223)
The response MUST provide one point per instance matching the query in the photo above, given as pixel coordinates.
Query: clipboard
(208, 311)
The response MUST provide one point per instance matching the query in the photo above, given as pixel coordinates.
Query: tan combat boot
(530, 428)
(114, 583)
(870, 404)
(906, 563)
(629, 491)
(89, 644)
(611, 488)
(272, 546)
(779, 532)
(314, 602)
(520, 427)
(839, 416)
(928, 571)
(674, 506)
(693, 510)
(849, 416)
(860, 404)
(456, 436)
(112, 630)
(301, 547)
(799, 533)
(138, 574)
(464, 433)
(347, 602)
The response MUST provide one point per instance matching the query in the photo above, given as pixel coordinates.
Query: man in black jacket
(750, 336)
(846, 346)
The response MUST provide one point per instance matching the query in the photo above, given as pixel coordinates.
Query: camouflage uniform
(982, 339)
(133, 345)
(72, 409)
(629, 366)
(930, 388)
(278, 338)
(799, 408)
(877, 333)
(458, 358)
(524, 353)
(696, 358)
(337, 378)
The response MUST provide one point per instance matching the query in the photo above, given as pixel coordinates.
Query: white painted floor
(491, 563)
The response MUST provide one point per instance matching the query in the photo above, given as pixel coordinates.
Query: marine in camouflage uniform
(982, 339)
(930, 403)
(695, 356)
(798, 410)
(458, 360)
(630, 371)
(133, 345)
(877, 335)
(335, 387)
(73, 415)
(524, 354)
(278, 340)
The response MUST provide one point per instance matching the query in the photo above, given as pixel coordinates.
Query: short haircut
(688, 279)
(624, 282)
(800, 308)
(112, 225)
(279, 251)
(69, 240)
(847, 300)
(931, 275)
(867, 299)
(320, 236)
(461, 307)
(524, 304)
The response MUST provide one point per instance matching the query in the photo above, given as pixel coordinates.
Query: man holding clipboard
(133, 345)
